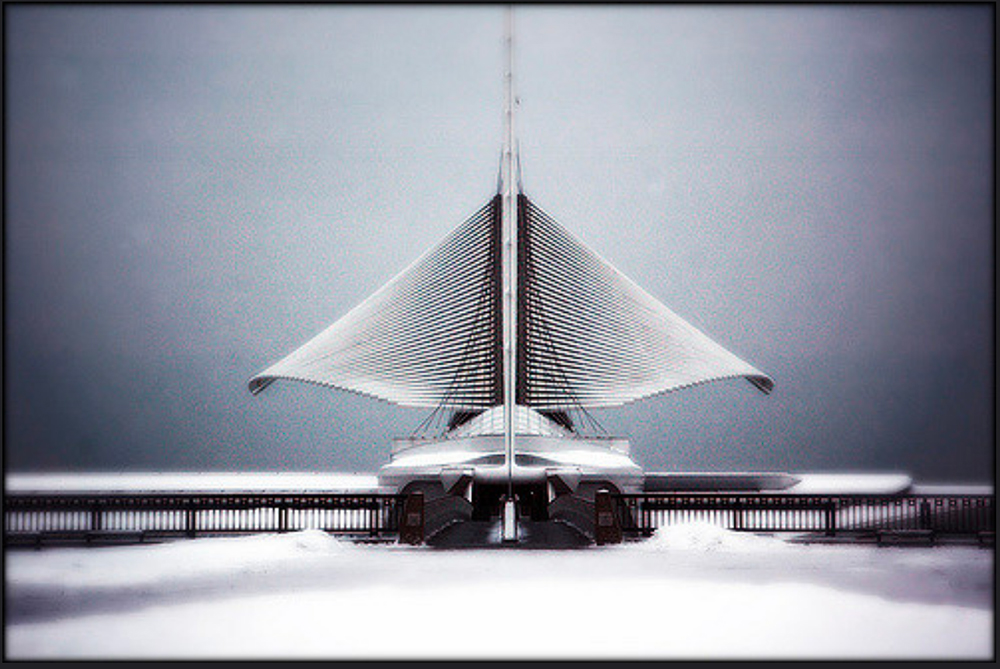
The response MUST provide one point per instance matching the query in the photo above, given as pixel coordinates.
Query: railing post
(607, 530)
(925, 515)
(283, 516)
(190, 519)
(411, 527)
(95, 518)
(831, 518)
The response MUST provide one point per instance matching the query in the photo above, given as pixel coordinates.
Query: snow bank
(704, 536)
(693, 591)
(273, 482)
(204, 558)
(848, 483)
(560, 619)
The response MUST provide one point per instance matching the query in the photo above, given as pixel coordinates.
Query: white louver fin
(427, 338)
(587, 336)
(592, 338)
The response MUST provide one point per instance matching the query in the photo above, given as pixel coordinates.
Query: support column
(607, 529)
(411, 524)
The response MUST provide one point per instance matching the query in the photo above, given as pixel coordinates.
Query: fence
(30, 518)
(34, 518)
(642, 514)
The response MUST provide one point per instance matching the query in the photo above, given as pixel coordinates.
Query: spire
(509, 272)
(510, 309)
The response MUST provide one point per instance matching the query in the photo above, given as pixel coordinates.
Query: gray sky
(192, 192)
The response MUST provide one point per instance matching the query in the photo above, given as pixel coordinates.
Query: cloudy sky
(192, 192)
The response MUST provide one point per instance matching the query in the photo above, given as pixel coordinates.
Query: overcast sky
(192, 192)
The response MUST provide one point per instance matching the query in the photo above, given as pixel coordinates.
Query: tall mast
(509, 262)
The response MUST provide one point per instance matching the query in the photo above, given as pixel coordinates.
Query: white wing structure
(587, 336)
(425, 339)
(593, 338)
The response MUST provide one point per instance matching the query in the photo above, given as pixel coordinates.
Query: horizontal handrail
(76, 515)
(766, 512)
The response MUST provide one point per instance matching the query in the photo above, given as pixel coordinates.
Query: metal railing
(643, 514)
(39, 518)
(151, 515)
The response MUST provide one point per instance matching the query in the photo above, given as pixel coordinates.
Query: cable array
(587, 335)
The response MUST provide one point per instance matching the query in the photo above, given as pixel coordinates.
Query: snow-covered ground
(272, 482)
(692, 591)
